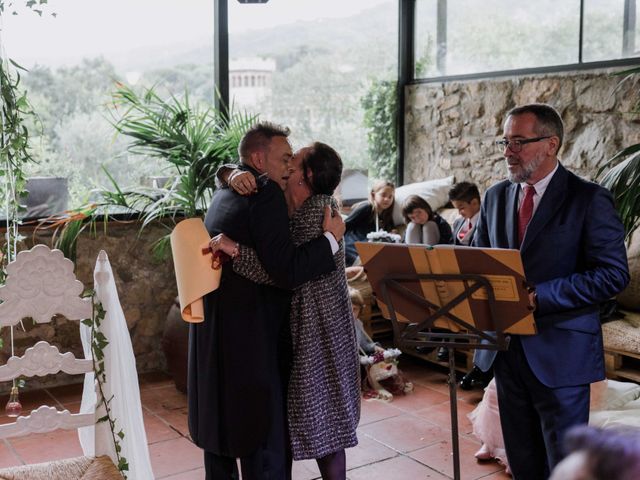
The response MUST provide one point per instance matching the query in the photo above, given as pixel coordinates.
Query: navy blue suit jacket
(574, 254)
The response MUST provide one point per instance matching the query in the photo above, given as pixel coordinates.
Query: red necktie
(526, 212)
(466, 228)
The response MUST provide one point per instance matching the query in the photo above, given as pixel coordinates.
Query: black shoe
(476, 378)
(425, 350)
(443, 354)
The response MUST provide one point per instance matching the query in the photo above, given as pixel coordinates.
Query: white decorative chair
(40, 284)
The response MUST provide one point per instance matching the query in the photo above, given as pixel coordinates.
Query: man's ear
(554, 143)
(258, 161)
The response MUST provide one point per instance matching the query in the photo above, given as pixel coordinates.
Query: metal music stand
(419, 334)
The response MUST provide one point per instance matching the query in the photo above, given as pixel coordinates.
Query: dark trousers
(534, 417)
(264, 464)
(272, 461)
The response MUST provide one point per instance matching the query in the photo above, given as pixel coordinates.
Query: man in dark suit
(571, 242)
(237, 356)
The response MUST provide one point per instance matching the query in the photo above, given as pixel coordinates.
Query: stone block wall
(146, 289)
(451, 127)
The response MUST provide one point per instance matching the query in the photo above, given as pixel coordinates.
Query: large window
(475, 36)
(74, 60)
(317, 66)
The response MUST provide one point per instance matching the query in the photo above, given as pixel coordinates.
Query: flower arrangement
(382, 236)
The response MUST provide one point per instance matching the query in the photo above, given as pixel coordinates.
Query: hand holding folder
(192, 262)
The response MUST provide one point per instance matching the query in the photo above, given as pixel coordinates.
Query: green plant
(380, 105)
(621, 173)
(37, 6)
(14, 142)
(194, 141)
(14, 154)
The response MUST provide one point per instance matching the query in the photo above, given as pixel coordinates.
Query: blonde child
(371, 216)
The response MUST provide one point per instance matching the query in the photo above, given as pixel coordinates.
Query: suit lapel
(511, 213)
(552, 200)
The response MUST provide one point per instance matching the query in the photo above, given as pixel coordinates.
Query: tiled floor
(407, 439)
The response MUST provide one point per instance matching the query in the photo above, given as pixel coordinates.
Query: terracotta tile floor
(407, 439)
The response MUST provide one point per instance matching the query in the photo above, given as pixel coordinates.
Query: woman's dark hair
(415, 201)
(326, 167)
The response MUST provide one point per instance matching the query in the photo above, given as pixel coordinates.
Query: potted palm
(193, 139)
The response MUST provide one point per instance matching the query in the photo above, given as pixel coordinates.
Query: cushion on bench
(78, 468)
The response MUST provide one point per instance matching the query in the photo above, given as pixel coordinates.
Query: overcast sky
(88, 28)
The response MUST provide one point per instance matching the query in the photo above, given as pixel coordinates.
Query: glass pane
(604, 22)
(309, 65)
(76, 58)
(491, 35)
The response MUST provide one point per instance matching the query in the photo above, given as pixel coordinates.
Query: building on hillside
(250, 80)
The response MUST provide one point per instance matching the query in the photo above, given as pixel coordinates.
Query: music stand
(417, 299)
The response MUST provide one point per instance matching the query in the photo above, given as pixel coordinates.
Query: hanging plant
(37, 6)
(14, 141)
(14, 154)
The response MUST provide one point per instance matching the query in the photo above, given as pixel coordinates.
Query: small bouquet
(382, 236)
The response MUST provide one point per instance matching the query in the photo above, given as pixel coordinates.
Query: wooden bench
(621, 365)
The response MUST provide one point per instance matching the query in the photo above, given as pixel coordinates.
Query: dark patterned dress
(323, 401)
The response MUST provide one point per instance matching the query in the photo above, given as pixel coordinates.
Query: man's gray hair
(548, 121)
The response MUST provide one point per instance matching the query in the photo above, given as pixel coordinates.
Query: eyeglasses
(516, 145)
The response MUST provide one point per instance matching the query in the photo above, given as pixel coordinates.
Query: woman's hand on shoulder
(224, 244)
(222, 249)
(243, 183)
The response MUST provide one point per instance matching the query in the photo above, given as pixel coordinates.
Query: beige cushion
(79, 468)
(630, 297)
(435, 192)
(623, 334)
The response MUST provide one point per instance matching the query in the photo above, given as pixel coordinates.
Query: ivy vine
(14, 142)
(15, 155)
(98, 343)
(380, 105)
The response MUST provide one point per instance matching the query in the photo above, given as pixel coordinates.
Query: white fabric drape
(122, 383)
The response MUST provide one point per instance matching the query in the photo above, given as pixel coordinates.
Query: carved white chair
(41, 284)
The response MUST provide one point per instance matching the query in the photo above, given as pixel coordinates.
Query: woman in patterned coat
(323, 398)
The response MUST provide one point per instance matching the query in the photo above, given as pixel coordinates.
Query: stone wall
(451, 127)
(146, 289)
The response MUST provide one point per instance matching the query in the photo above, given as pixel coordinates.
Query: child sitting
(365, 344)
(371, 216)
(465, 197)
(421, 227)
(382, 379)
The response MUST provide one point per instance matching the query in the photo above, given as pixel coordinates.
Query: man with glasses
(572, 248)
